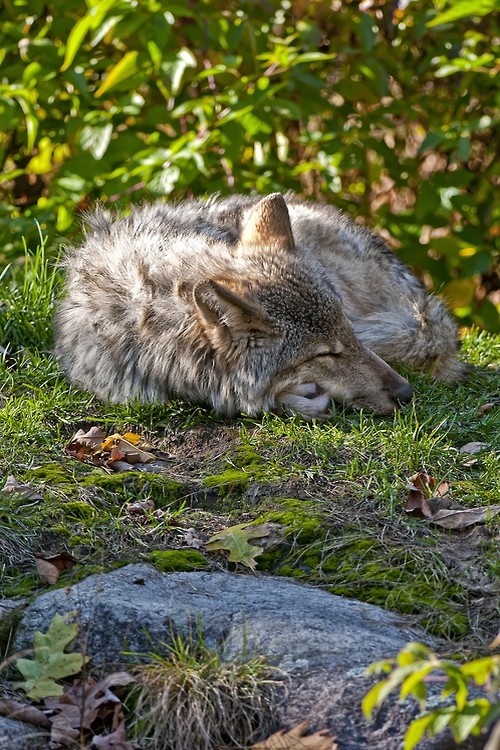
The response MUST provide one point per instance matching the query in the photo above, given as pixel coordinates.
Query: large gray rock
(19, 735)
(324, 641)
(296, 626)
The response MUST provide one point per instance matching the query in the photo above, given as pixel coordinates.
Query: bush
(387, 112)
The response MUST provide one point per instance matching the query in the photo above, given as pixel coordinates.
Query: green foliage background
(386, 109)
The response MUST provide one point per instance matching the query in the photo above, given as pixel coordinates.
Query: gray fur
(169, 302)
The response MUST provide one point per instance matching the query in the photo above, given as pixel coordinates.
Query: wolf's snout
(403, 394)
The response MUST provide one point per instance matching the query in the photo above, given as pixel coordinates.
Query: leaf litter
(429, 499)
(69, 710)
(116, 452)
(50, 568)
(298, 739)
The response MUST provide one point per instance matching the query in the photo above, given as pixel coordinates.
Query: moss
(232, 480)
(244, 465)
(177, 560)
(124, 484)
(362, 567)
(303, 521)
(79, 510)
(21, 584)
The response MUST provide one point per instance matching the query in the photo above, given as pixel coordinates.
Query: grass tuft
(193, 698)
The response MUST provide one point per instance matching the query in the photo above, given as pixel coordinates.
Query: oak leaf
(235, 540)
(296, 739)
(51, 663)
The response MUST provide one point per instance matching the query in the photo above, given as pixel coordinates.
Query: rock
(296, 626)
(19, 735)
(323, 641)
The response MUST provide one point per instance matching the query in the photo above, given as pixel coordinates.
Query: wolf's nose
(403, 394)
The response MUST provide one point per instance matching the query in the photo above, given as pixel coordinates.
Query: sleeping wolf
(248, 305)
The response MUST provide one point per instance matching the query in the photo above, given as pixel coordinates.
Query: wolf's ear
(269, 224)
(221, 307)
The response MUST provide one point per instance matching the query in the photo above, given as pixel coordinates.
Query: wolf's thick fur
(248, 305)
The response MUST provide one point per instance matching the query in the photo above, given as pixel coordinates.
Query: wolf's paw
(305, 399)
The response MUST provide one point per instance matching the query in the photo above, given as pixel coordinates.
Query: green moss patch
(359, 565)
(173, 560)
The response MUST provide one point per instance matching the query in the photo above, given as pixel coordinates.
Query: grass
(336, 489)
(194, 698)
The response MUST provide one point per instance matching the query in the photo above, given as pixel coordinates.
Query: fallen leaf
(422, 492)
(460, 519)
(62, 732)
(485, 408)
(140, 507)
(51, 663)
(296, 739)
(85, 702)
(117, 740)
(23, 712)
(50, 568)
(473, 447)
(495, 643)
(119, 466)
(90, 439)
(25, 491)
(235, 540)
(132, 453)
(132, 437)
(191, 539)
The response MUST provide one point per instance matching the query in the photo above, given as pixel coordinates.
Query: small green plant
(409, 672)
(51, 663)
(28, 294)
(194, 698)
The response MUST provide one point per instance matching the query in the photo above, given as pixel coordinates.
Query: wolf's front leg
(305, 399)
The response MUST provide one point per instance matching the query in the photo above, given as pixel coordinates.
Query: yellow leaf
(119, 72)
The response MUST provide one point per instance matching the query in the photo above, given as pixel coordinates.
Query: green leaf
(414, 683)
(96, 139)
(91, 20)
(464, 9)
(416, 731)
(50, 662)
(463, 724)
(177, 67)
(119, 72)
(235, 539)
(75, 40)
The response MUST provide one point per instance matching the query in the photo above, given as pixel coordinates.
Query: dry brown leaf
(85, 702)
(90, 439)
(50, 568)
(495, 643)
(132, 453)
(141, 507)
(23, 712)
(295, 739)
(423, 492)
(460, 519)
(62, 733)
(117, 740)
(25, 491)
(485, 408)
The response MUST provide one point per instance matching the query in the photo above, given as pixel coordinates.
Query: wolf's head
(278, 333)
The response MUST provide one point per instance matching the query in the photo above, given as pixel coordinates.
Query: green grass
(336, 488)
